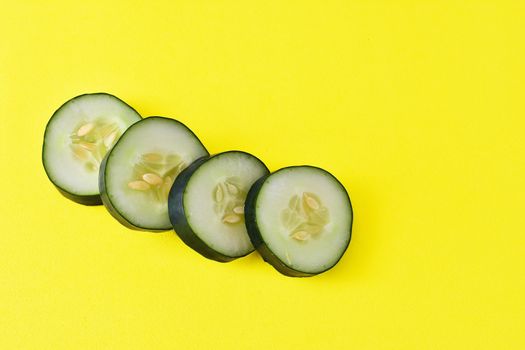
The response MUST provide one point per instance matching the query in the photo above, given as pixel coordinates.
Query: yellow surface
(416, 106)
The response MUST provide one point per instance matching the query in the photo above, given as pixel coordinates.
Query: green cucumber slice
(206, 204)
(299, 219)
(76, 139)
(137, 174)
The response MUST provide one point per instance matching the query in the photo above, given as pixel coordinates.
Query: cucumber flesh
(77, 137)
(299, 219)
(137, 175)
(206, 204)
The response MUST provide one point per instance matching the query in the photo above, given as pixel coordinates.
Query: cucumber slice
(137, 174)
(206, 204)
(299, 219)
(76, 139)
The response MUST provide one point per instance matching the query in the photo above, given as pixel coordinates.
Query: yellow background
(416, 106)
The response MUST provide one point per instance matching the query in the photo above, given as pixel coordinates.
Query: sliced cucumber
(77, 138)
(299, 219)
(206, 204)
(137, 174)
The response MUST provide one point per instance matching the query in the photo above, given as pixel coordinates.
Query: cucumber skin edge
(91, 200)
(178, 218)
(256, 237)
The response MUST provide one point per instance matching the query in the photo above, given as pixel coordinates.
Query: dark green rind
(81, 199)
(178, 216)
(84, 200)
(257, 239)
(103, 189)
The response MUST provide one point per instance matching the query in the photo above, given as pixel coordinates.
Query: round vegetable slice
(76, 139)
(299, 219)
(137, 174)
(206, 204)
